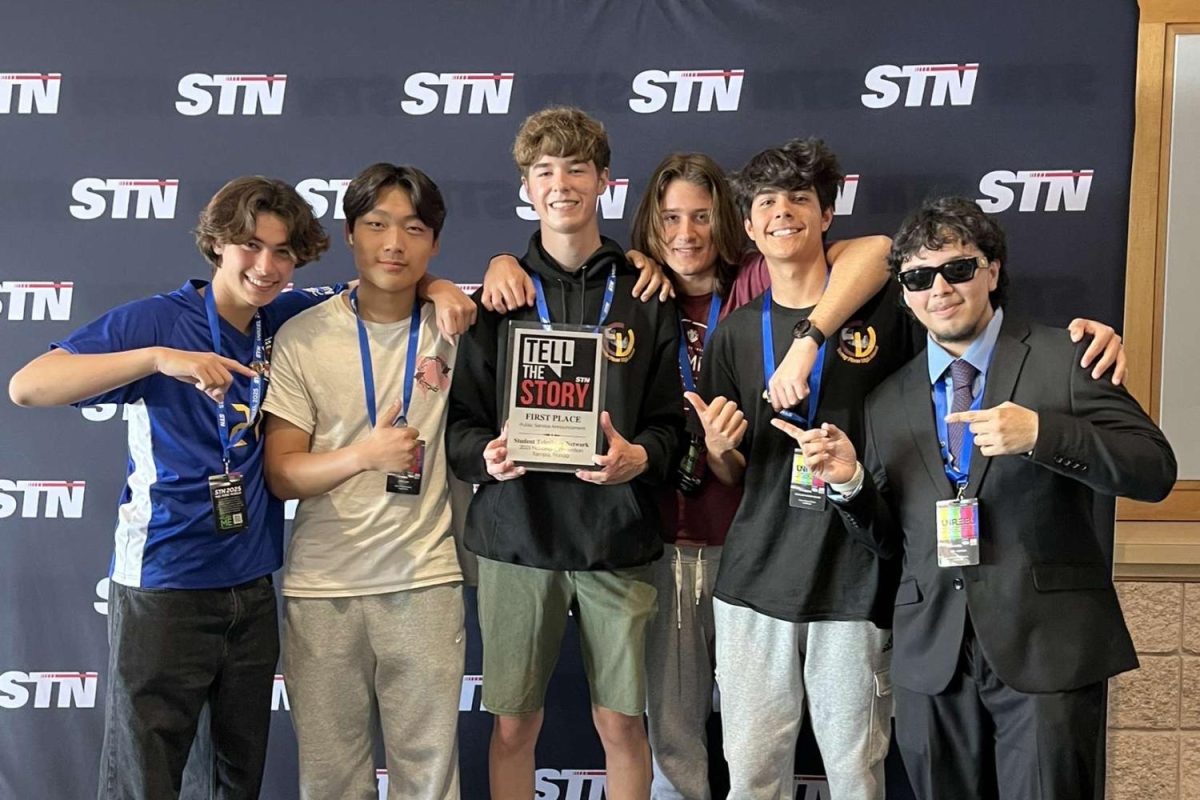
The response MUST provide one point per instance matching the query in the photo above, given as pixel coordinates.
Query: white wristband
(845, 491)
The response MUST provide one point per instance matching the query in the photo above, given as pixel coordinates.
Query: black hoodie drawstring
(564, 286)
(582, 294)
(540, 262)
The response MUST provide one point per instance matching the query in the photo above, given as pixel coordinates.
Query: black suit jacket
(1041, 601)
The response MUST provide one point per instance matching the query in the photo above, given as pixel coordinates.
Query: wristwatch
(805, 329)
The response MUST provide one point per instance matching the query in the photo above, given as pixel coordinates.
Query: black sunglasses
(960, 270)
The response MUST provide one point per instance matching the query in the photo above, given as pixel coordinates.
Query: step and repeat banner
(119, 120)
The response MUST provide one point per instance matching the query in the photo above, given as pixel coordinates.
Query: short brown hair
(699, 170)
(563, 132)
(229, 218)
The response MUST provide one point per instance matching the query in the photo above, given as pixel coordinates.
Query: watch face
(805, 329)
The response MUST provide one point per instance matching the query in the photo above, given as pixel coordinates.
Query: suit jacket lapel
(918, 406)
(1007, 360)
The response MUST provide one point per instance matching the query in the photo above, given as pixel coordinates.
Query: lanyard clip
(962, 491)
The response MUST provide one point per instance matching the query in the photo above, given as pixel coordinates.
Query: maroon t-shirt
(752, 280)
(703, 517)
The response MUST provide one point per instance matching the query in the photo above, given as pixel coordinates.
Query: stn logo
(485, 92)
(843, 204)
(811, 787)
(260, 94)
(38, 499)
(318, 191)
(713, 90)
(921, 85)
(1066, 190)
(36, 301)
(29, 92)
(569, 784)
(48, 689)
(151, 198)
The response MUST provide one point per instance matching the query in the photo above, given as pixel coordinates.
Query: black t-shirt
(790, 563)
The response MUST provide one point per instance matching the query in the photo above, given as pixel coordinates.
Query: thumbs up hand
(724, 423)
(391, 449)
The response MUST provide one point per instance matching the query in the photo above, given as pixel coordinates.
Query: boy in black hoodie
(550, 539)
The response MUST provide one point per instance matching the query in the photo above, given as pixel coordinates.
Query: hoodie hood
(575, 297)
(598, 263)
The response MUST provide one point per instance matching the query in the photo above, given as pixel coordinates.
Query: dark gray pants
(680, 659)
(983, 739)
(170, 652)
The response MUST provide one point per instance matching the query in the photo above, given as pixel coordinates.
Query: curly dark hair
(953, 220)
(229, 218)
(799, 164)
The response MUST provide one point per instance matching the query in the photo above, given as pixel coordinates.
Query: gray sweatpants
(679, 671)
(400, 652)
(765, 666)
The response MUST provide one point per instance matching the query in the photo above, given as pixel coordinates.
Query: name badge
(228, 502)
(409, 482)
(958, 532)
(805, 490)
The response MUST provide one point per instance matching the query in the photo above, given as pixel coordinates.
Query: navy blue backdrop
(119, 120)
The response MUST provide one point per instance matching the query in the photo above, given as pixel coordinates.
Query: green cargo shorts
(522, 616)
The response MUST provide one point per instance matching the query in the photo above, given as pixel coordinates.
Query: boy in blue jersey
(192, 616)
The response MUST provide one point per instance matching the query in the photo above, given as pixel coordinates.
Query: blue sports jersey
(165, 536)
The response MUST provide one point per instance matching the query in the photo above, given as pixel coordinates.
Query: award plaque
(553, 396)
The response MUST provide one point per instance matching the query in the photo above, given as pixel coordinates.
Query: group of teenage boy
(752, 518)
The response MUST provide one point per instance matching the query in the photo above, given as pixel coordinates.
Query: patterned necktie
(963, 376)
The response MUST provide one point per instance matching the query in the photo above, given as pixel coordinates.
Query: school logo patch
(618, 343)
(858, 343)
(433, 374)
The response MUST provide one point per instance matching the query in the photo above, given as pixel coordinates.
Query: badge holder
(805, 490)
(228, 498)
(958, 532)
(409, 482)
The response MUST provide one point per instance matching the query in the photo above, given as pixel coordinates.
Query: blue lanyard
(410, 361)
(958, 474)
(610, 289)
(814, 378)
(685, 363)
(256, 383)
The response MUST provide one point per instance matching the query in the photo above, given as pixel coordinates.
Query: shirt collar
(978, 355)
